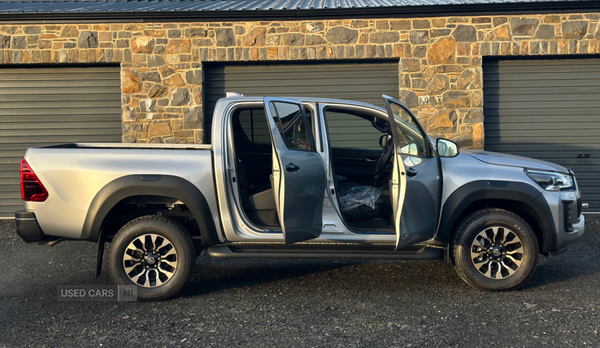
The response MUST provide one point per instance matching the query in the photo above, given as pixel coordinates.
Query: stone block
(174, 34)
(465, 33)
(88, 39)
(130, 81)
(4, 41)
(314, 40)
(174, 80)
(150, 76)
(501, 33)
(181, 97)
(419, 37)
(225, 37)
(456, 99)
(194, 77)
(438, 84)
(575, 30)
(421, 24)
(128, 114)
(470, 79)
(439, 32)
(195, 32)
(385, 37)
(545, 32)
(410, 65)
(148, 105)
(159, 128)
(157, 91)
(69, 31)
(19, 42)
(474, 116)
(341, 35)
(400, 24)
(442, 122)
(32, 30)
(295, 39)
(255, 37)
(179, 46)
(142, 44)
(523, 26)
(409, 98)
(192, 117)
(442, 51)
(155, 61)
(359, 24)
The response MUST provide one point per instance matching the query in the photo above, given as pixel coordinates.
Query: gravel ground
(301, 303)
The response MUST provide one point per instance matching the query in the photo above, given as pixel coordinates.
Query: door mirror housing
(447, 148)
(383, 140)
(380, 125)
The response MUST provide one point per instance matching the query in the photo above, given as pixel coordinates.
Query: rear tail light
(32, 189)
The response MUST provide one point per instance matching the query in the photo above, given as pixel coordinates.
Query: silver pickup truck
(275, 182)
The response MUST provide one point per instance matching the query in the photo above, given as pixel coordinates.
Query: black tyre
(495, 249)
(154, 253)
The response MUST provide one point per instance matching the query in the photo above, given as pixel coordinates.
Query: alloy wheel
(497, 252)
(150, 260)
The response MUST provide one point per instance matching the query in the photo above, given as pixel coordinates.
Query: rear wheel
(154, 253)
(495, 249)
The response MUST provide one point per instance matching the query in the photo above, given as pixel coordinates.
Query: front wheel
(154, 253)
(495, 249)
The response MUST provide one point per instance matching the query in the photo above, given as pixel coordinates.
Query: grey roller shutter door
(44, 106)
(550, 110)
(363, 82)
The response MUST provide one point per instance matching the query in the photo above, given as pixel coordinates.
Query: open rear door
(298, 177)
(415, 188)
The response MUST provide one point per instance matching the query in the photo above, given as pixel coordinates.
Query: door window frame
(417, 123)
(380, 236)
(307, 123)
(349, 108)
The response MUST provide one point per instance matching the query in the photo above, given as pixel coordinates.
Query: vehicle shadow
(217, 275)
(363, 276)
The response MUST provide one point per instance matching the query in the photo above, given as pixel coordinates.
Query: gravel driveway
(301, 303)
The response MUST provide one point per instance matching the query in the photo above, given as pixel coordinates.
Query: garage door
(547, 109)
(43, 106)
(363, 82)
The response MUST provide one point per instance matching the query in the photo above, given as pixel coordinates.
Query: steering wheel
(384, 159)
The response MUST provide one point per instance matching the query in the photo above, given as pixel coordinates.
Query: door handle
(411, 172)
(291, 167)
(370, 160)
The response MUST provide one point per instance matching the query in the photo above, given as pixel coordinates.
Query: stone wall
(440, 60)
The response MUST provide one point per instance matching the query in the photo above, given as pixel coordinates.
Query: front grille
(579, 207)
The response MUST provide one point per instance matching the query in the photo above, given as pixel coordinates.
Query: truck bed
(131, 146)
(74, 173)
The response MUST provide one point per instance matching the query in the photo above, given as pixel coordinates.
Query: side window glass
(351, 131)
(411, 138)
(255, 126)
(292, 125)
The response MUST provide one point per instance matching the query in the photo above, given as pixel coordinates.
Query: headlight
(550, 181)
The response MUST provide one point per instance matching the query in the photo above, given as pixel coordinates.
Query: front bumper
(28, 228)
(564, 238)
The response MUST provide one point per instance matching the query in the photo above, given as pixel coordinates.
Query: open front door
(415, 188)
(298, 178)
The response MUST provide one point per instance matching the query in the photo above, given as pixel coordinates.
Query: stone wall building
(439, 50)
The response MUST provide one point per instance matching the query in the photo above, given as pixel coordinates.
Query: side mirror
(447, 148)
(384, 139)
(380, 125)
